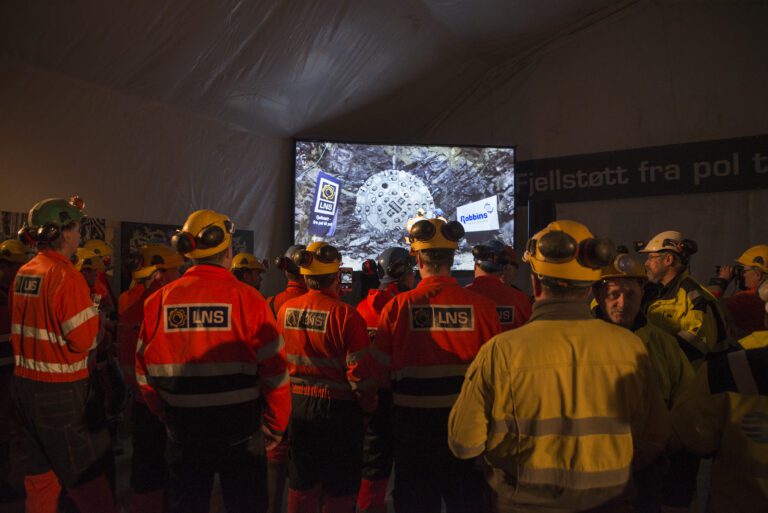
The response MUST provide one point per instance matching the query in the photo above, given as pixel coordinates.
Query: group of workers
(603, 394)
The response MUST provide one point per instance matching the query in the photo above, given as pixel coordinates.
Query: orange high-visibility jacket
(53, 321)
(513, 306)
(208, 353)
(292, 290)
(370, 307)
(428, 336)
(328, 349)
(130, 314)
(6, 349)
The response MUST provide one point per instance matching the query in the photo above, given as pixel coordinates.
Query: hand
(270, 439)
(726, 272)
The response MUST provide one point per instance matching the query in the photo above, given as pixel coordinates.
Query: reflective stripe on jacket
(328, 348)
(714, 418)
(208, 351)
(560, 407)
(53, 322)
(513, 306)
(428, 336)
(691, 314)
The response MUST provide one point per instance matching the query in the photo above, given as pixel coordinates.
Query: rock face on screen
(382, 186)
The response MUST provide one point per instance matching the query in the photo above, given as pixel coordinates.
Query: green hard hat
(56, 211)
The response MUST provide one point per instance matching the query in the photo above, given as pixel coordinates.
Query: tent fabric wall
(654, 74)
(723, 224)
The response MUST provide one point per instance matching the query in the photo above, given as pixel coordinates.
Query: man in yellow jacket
(618, 297)
(562, 407)
(726, 413)
(680, 305)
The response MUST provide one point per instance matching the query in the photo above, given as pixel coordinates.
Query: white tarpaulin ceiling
(153, 109)
(280, 67)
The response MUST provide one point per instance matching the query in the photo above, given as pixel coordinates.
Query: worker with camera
(563, 408)
(332, 384)
(744, 307)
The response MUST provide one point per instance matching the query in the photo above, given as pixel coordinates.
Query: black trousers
(63, 428)
(378, 446)
(325, 443)
(148, 471)
(426, 472)
(242, 469)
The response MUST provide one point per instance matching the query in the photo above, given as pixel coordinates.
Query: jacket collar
(209, 270)
(669, 290)
(488, 279)
(296, 284)
(560, 310)
(434, 280)
(55, 255)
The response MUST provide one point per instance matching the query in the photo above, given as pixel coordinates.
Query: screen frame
(296, 140)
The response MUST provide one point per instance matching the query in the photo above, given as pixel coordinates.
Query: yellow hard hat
(13, 250)
(152, 257)
(99, 247)
(319, 258)
(204, 234)
(87, 259)
(435, 234)
(623, 266)
(569, 251)
(247, 261)
(756, 256)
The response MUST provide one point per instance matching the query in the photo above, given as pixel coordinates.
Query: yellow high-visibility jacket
(723, 414)
(674, 373)
(690, 313)
(559, 407)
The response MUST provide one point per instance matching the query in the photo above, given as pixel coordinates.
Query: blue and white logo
(479, 216)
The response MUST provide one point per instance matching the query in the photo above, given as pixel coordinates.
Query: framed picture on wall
(134, 235)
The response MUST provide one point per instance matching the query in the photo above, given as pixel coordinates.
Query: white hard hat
(664, 241)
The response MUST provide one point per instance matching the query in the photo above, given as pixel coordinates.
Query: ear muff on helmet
(483, 253)
(396, 269)
(325, 254)
(209, 237)
(424, 231)
(48, 232)
(286, 264)
(27, 236)
(558, 247)
(183, 242)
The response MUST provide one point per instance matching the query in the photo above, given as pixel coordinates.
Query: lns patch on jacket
(444, 318)
(310, 320)
(197, 317)
(27, 285)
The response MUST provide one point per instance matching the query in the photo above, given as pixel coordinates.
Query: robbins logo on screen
(310, 320)
(198, 317)
(506, 314)
(444, 318)
(27, 285)
(480, 215)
